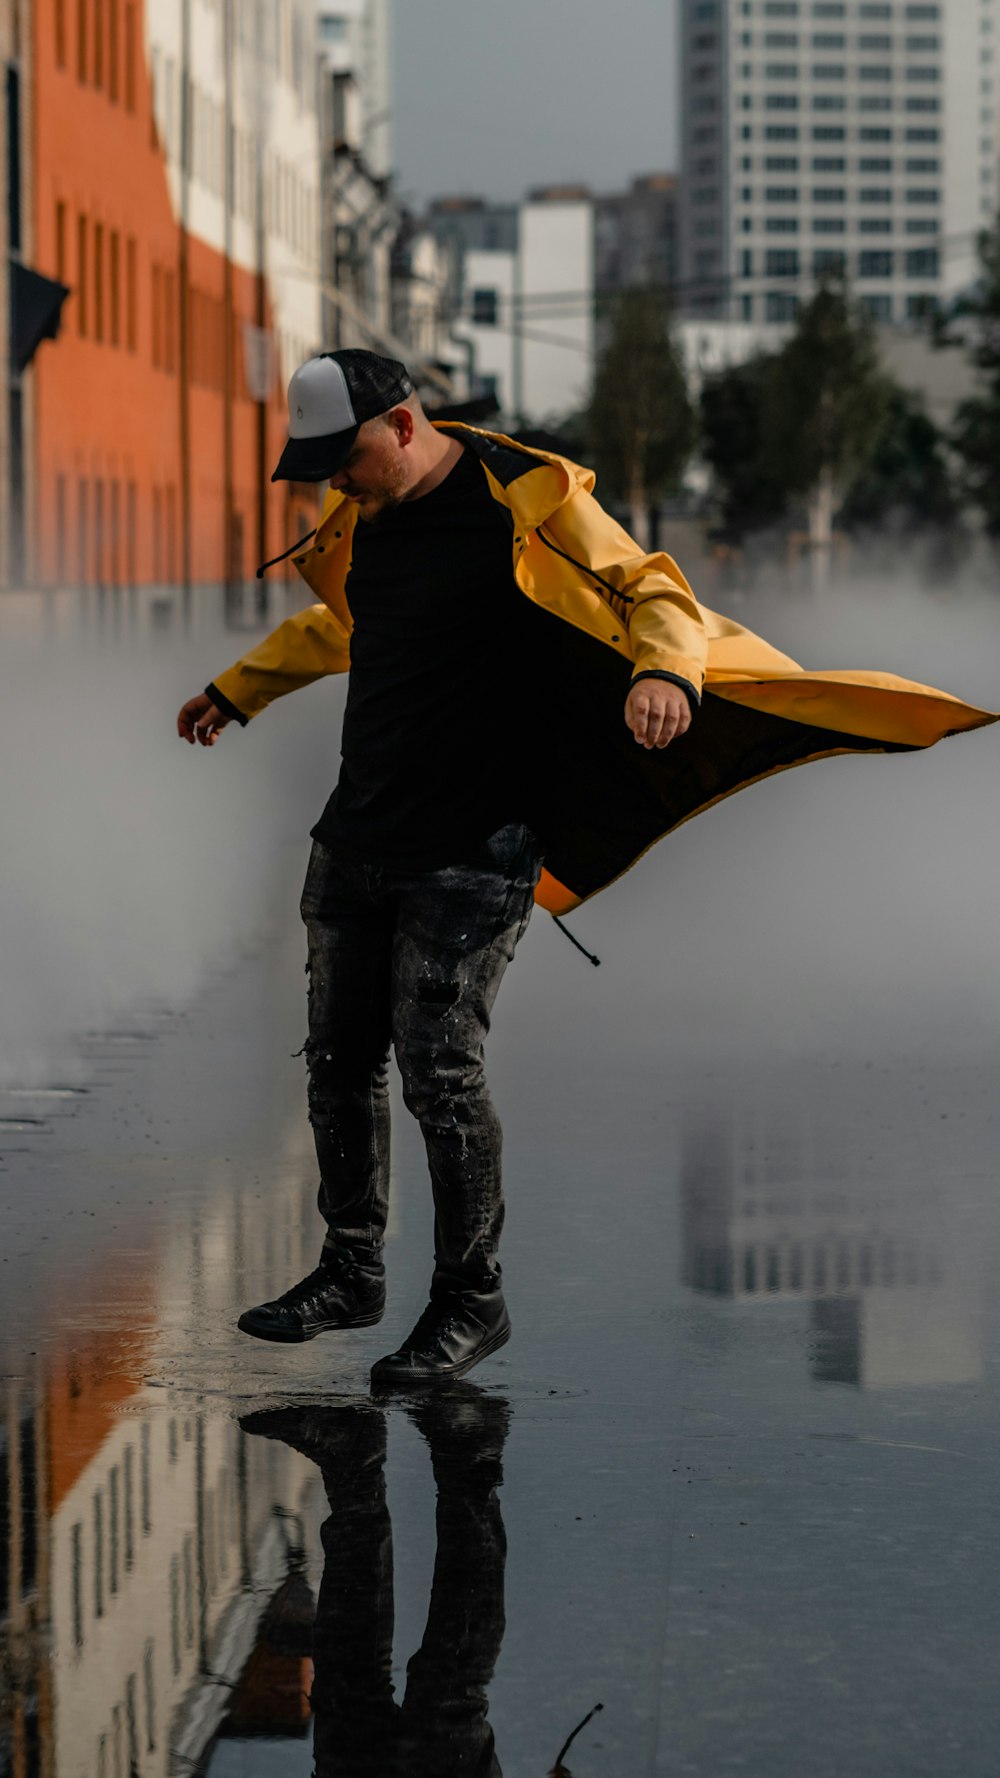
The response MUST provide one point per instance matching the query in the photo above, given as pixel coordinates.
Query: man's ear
(401, 421)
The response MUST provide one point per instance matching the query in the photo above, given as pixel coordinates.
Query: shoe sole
(418, 1379)
(246, 1325)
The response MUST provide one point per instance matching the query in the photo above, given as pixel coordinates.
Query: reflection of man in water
(440, 1730)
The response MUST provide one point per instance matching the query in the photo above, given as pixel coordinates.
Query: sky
(493, 98)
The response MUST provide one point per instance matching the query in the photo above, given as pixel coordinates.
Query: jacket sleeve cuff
(693, 696)
(222, 703)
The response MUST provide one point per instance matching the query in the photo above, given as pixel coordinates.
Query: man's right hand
(199, 720)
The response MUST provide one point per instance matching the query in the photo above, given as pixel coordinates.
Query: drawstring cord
(290, 551)
(575, 941)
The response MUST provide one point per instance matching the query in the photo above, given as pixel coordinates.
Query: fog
(849, 903)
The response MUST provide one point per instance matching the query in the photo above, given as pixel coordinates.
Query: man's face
(376, 474)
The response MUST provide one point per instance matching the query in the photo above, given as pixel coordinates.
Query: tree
(907, 480)
(976, 435)
(752, 492)
(825, 405)
(800, 423)
(640, 423)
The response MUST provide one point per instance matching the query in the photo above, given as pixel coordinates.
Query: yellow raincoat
(617, 612)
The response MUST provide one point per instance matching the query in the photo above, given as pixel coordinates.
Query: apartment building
(860, 135)
(176, 193)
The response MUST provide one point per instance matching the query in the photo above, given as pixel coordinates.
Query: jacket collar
(533, 484)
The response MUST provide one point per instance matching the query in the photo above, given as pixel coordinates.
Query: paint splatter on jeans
(412, 960)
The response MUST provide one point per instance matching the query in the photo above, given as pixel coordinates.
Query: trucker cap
(329, 399)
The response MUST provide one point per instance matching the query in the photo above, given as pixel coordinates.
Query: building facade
(176, 193)
(835, 134)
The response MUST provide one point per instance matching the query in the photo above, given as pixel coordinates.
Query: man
(525, 684)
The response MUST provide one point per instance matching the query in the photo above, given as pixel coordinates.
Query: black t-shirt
(445, 668)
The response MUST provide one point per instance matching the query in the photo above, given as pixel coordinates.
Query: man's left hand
(657, 712)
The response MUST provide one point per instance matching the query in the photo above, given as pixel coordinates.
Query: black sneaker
(452, 1335)
(339, 1293)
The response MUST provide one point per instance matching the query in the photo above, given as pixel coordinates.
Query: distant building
(521, 284)
(837, 135)
(635, 235)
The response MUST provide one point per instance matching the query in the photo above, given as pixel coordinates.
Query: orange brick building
(175, 189)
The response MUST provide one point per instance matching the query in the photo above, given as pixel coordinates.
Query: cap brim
(315, 459)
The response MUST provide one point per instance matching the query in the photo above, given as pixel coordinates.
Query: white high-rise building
(835, 133)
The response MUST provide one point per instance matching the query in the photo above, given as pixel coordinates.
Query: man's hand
(199, 720)
(657, 712)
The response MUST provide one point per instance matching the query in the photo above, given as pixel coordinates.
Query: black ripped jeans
(412, 960)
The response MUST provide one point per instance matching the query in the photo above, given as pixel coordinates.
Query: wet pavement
(735, 1477)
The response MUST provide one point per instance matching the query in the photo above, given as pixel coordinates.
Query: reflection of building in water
(142, 1538)
(25, 1676)
(773, 1211)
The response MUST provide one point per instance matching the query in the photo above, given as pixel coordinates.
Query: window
(169, 322)
(781, 163)
(781, 40)
(781, 225)
(484, 306)
(157, 318)
(828, 132)
(781, 306)
(874, 133)
(114, 273)
(98, 1555)
(923, 194)
(875, 194)
(923, 166)
(130, 55)
(829, 225)
(874, 102)
(874, 164)
(781, 194)
(781, 9)
(781, 132)
(829, 163)
(875, 225)
(98, 281)
(829, 40)
(746, 308)
(880, 45)
(919, 45)
(81, 275)
(922, 225)
(923, 13)
(98, 42)
(781, 71)
(746, 263)
(81, 41)
(782, 262)
(82, 534)
(113, 51)
(829, 261)
(876, 9)
(919, 307)
(130, 294)
(874, 71)
(875, 264)
(925, 105)
(781, 102)
(76, 1559)
(829, 102)
(923, 262)
(829, 9)
(829, 194)
(60, 253)
(701, 194)
(924, 71)
(878, 307)
(828, 71)
(60, 22)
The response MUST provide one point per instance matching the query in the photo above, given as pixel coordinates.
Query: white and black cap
(329, 399)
